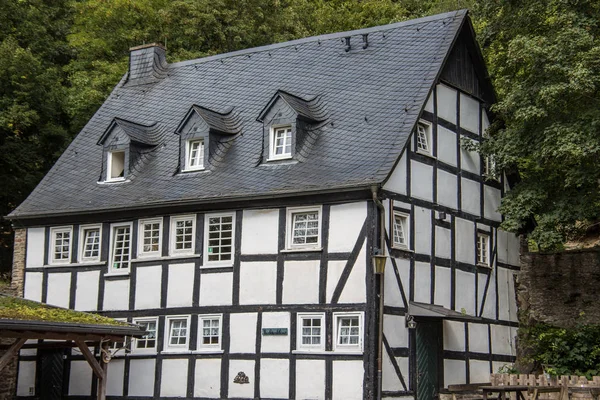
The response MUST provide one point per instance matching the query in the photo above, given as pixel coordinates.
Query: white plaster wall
(443, 287)
(395, 330)
(33, 286)
(392, 295)
(422, 230)
(310, 379)
(454, 335)
(301, 282)
(429, 103)
(345, 223)
(446, 146)
(479, 371)
(465, 240)
(481, 281)
(260, 230)
(216, 289)
(35, 247)
(276, 343)
(114, 383)
(59, 285)
(258, 282)
(465, 292)
(478, 338)
(485, 121)
(470, 196)
(390, 380)
(502, 237)
(348, 380)
(421, 181)
(355, 290)
(180, 285)
(243, 333)
(489, 307)
(422, 282)
(173, 382)
(237, 390)
(208, 378)
(513, 250)
(275, 378)
(443, 238)
(446, 103)
(334, 271)
(502, 339)
(507, 303)
(80, 379)
(86, 293)
(404, 272)
(469, 160)
(469, 113)
(447, 189)
(116, 295)
(26, 378)
(454, 372)
(491, 198)
(148, 287)
(141, 377)
(397, 180)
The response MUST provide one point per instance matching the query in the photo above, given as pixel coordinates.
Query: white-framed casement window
(280, 142)
(400, 227)
(210, 332)
(311, 332)
(303, 228)
(90, 238)
(194, 155)
(150, 237)
(120, 247)
(61, 239)
(115, 165)
(147, 343)
(348, 328)
(183, 234)
(219, 237)
(483, 249)
(177, 333)
(424, 140)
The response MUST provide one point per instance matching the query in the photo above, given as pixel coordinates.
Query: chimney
(147, 64)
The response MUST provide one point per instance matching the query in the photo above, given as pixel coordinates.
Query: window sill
(208, 351)
(426, 154)
(112, 182)
(281, 158)
(306, 250)
(327, 353)
(187, 171)
(348, 351)
(484, 265)
(176, 352)
(141, 354)
(402, 248)
(209, 266)
(80, 264)
(118, 273)
(161, 258)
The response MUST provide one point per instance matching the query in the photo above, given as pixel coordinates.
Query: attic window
(115, 166)
(424, 143)
(194, 155)
(280, 143)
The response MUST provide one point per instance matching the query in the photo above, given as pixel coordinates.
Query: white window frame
(145, 350)
(140, 252)
(82, 244)
(51, 256)
(478, 254)
(209, 347)
(406, 230)
(113, 228)
(168, 347)
(109, 157)
(428, 136)
(310, 347)
(348, 348)
(188, 151)
(489, 168)
(272, 133)
(289, 236)
(172, 235)
(206, 239)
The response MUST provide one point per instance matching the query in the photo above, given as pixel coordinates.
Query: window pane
(219, 239)
(117, 164)
(121, 247)
(305, 228)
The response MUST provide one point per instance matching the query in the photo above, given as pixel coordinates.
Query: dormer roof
(311, 110)
(224, 123)
(149, 135)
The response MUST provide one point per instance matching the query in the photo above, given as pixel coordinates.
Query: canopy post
(12, 351)
(104, 365)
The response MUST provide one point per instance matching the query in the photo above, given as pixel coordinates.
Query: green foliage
(562, 351)
(543, 57)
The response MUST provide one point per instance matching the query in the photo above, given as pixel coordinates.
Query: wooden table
(519, 390)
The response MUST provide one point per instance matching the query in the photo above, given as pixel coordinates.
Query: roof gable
(150, 135)
(311, 110)
(225, 123)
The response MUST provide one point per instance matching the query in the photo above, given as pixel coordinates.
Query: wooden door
(51, 374)
(428, 338)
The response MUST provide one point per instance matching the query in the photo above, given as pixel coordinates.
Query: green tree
(544, 58)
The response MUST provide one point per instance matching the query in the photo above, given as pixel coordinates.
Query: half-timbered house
(231, 205)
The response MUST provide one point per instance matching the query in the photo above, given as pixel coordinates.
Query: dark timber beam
(12, 351)
(87, 354)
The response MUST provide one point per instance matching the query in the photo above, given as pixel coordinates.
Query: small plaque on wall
(274, 331)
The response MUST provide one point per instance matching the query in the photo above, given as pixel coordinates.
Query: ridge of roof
(326, 36)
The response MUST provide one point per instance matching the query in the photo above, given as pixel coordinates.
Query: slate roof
(225, 123)
(150, 135)
(309, 109)
(372, 97)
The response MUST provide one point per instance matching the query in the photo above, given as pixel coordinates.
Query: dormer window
(115, 165)
(194, 159)
(281, 143)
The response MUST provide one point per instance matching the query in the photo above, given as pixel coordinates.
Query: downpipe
(382, 246)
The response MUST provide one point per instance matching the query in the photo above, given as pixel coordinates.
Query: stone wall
(560, 289)
(8, 376)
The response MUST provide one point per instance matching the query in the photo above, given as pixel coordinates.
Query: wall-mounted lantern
(379, 261)
(410, 322)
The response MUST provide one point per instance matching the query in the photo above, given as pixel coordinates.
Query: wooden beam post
(12, 351)
(104, 365)
(87, 354)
